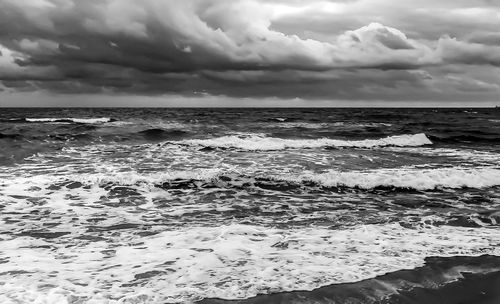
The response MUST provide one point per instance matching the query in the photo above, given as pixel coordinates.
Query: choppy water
(181, 205)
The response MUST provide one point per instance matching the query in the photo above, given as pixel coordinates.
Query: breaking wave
(382, 179)
(260, 143)
(429, 179)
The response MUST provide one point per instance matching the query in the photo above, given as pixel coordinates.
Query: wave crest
(260, 143)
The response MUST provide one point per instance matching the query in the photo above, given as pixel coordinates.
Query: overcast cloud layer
(447, 50)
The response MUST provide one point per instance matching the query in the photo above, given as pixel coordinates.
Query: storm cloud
(349, 50)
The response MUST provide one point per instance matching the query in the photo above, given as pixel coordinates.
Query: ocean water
(249, 205)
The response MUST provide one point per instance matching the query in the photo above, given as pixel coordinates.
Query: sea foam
(261, 143)
(230, 262)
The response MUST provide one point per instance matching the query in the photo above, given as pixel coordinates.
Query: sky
(249, 53)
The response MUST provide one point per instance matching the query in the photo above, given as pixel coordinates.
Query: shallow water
(180, 205)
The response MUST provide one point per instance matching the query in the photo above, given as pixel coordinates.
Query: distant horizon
(245, 107)
(48, 100)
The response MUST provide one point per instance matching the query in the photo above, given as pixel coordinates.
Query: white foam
(260, 143)
(75, 120)
(420, 179)
(133, 178)
(230, 262)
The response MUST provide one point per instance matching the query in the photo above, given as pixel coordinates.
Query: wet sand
(456, 280)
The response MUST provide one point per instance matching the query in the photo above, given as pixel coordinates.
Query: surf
(263, 143)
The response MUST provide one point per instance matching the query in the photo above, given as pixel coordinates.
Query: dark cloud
(318, 49)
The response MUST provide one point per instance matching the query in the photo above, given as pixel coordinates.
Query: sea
(224, 205)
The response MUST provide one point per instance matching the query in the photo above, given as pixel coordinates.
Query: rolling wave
(260, 143)
(63, 120)
(466, 138)
(159, 134)
(9, 136)
(72, 120)
(382, 179)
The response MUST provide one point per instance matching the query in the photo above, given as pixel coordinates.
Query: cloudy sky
(249, 52)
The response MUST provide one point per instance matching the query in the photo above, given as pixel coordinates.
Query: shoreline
(477, 281)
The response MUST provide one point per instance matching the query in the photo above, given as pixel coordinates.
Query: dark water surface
(249, 205)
